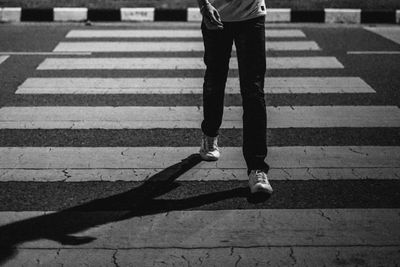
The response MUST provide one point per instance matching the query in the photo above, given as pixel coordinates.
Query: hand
(211, 17)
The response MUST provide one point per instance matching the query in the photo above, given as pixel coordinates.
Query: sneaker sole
(208, 158)
(260, 190)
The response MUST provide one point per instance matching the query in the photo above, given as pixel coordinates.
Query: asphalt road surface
(99, 135)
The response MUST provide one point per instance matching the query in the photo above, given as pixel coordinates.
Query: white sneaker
(258, 182)
(209, 148)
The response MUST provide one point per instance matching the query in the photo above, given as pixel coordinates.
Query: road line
(373, 52)
(3, 58)
(46, 53)
(308, 256)
(179, 63)
(390, 33)
(273, 85)
(291, 157)
(171, 46)
(200, 229)
(71, 117)
(165, 33)
(196, 174)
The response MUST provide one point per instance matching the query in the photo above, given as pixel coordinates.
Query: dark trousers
(249, 38)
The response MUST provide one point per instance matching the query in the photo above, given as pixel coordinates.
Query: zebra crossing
(134, 163)
(188, 117)
(170, 46)
(182, 225)
(273, 85)
(178, 63)
(165, 33)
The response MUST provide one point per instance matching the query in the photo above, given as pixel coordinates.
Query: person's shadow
(140, 201)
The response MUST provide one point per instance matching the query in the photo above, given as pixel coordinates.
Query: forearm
(210, 15)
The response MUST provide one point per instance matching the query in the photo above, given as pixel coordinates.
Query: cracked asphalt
(380, 71)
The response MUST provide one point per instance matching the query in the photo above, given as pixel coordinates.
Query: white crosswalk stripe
(391, 33)
(190, 117)
(139, 163)
(181, 33)
(222, 256)
(3, 58)
(169, 46)
(197, 229)
(179, 63)
(161, 157)
(67, 174)
(273, 85)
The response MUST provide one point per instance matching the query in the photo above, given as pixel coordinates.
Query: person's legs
(250, 45)
(218, 47)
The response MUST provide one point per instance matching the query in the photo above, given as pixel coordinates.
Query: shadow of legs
(257, 197)
(62, 225)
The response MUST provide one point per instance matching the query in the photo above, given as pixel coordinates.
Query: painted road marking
(46, 53)
(179, 63)
(200, 229)
(273, 85)
(71, 117)
(391, 33)
(290, 157)
(165, 33)
(3, 58)
(223, 256)
(373, 52)
(70, 13)
(201, 173)
(171, 46)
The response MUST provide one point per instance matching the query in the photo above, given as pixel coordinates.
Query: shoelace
(261, 178)
(211, 143)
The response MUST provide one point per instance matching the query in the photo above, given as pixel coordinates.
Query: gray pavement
(77, 190)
